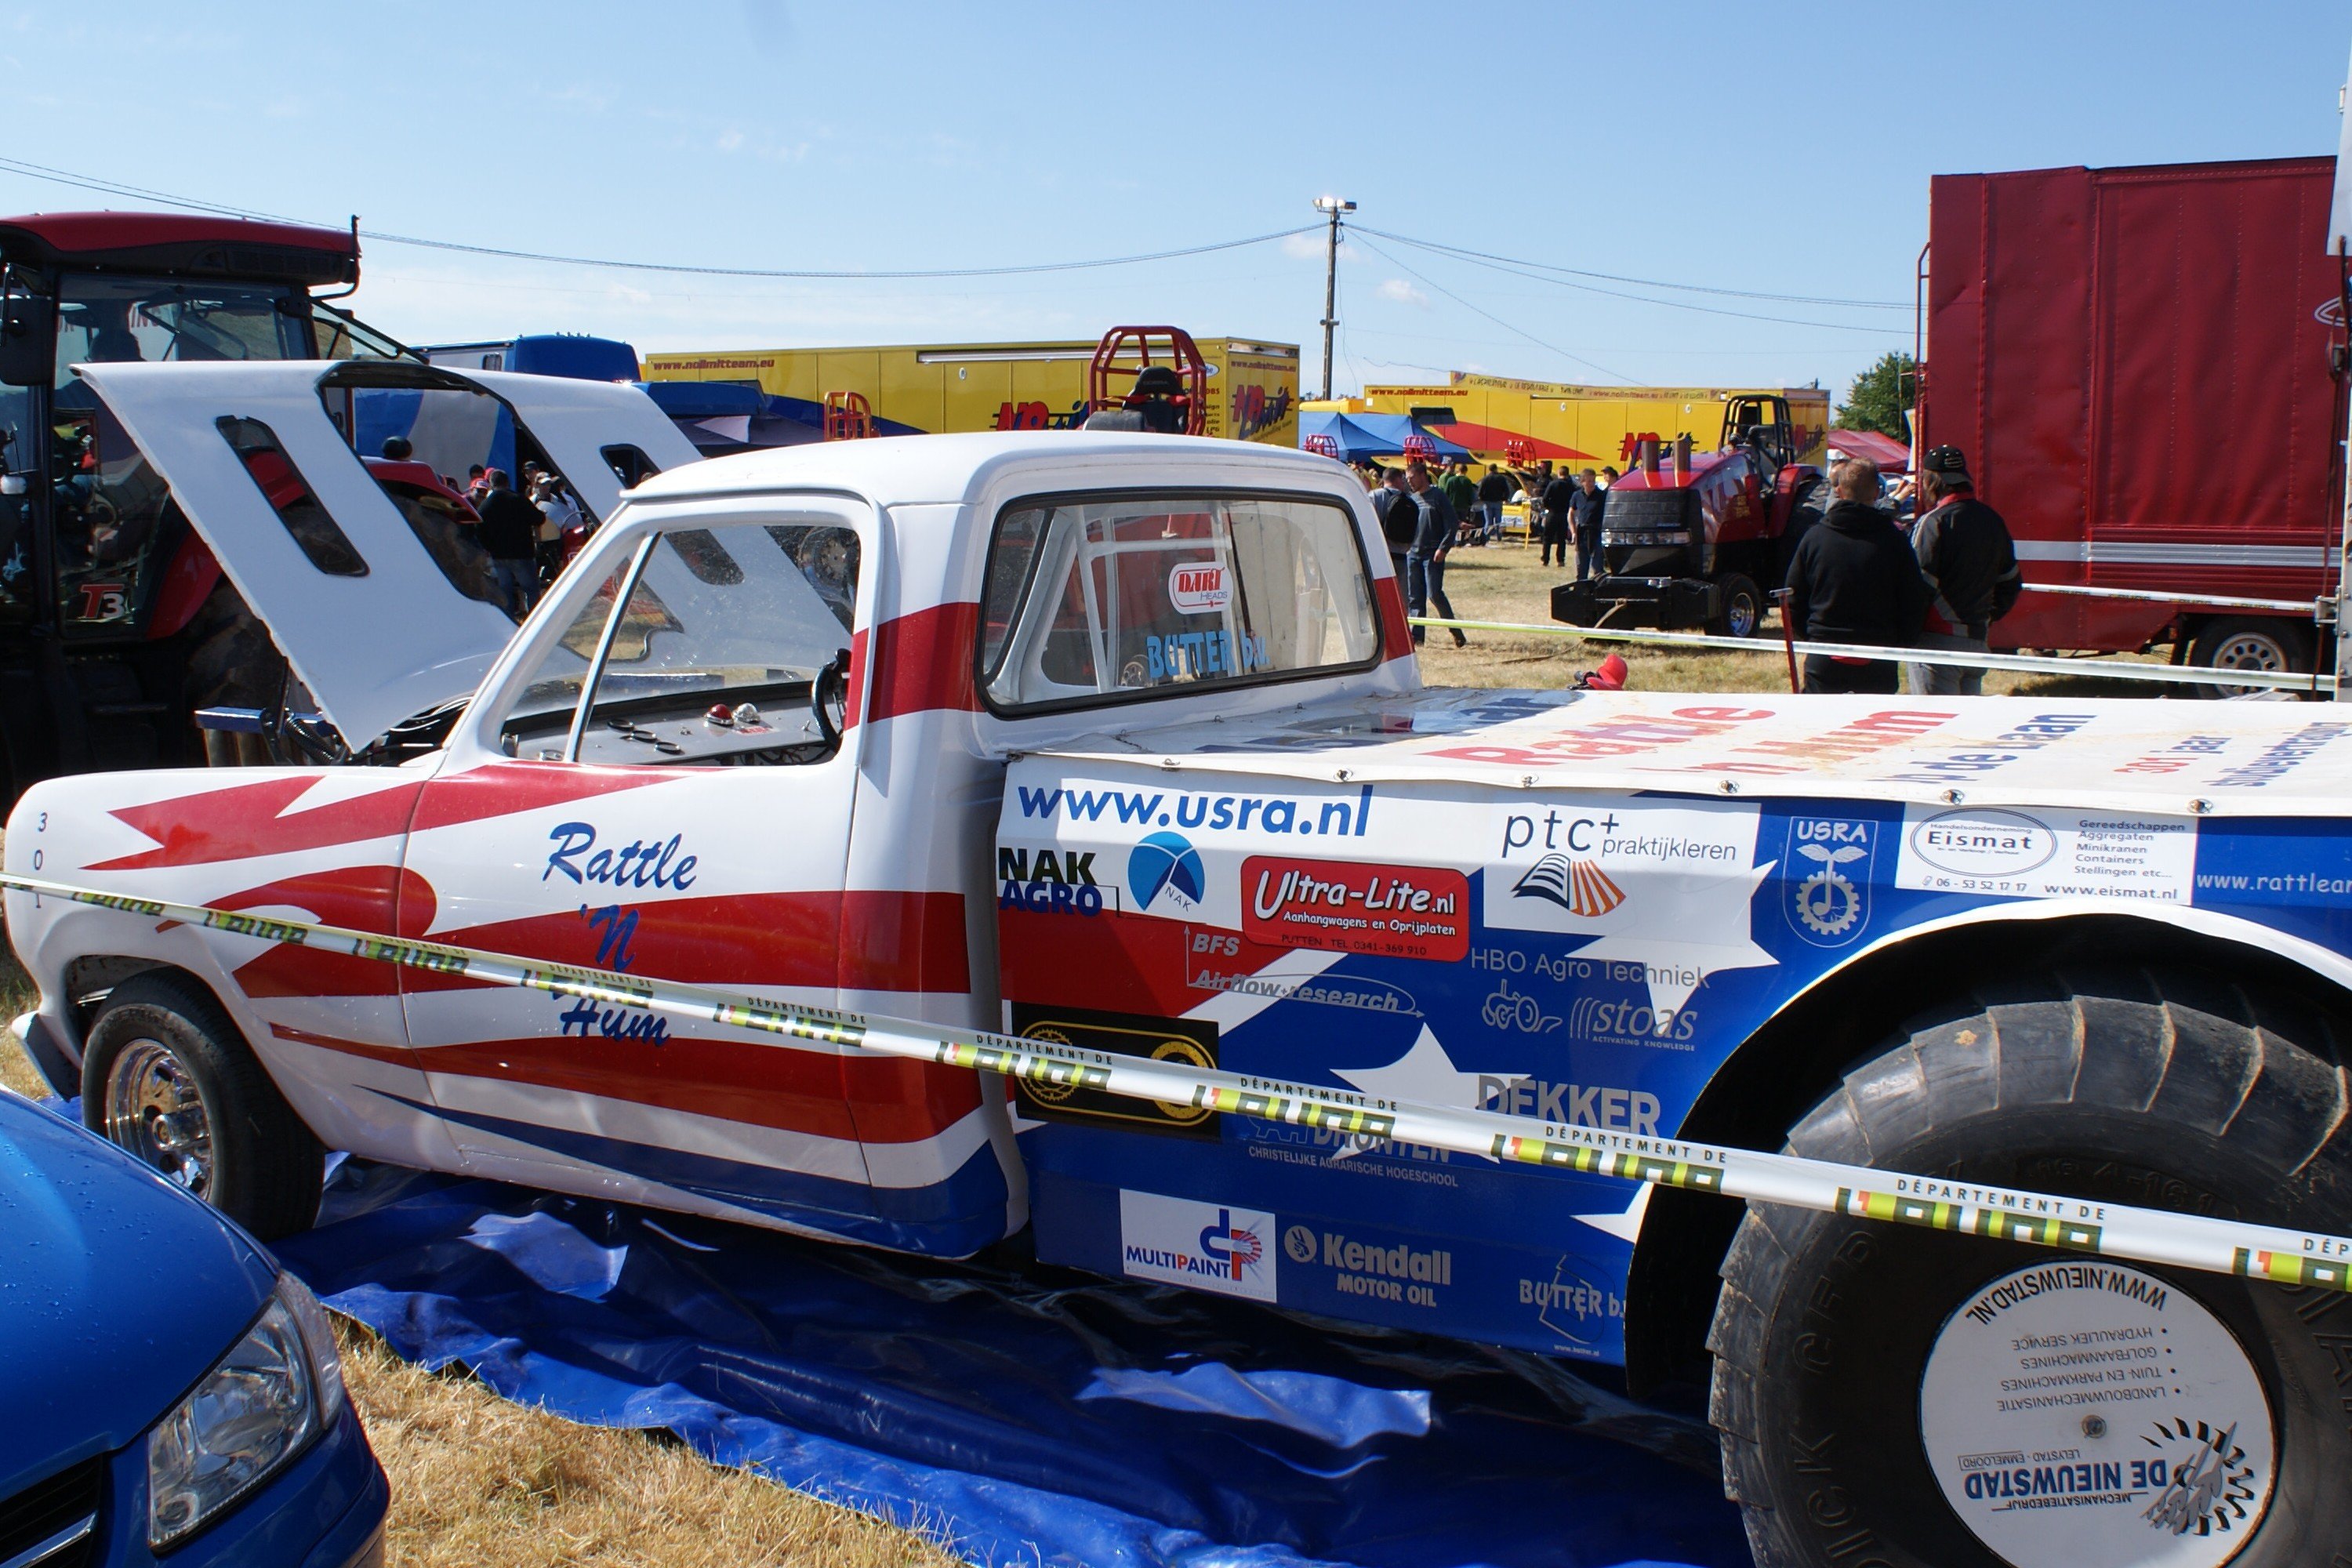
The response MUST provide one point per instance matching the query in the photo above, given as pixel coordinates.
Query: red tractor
(1697, 541)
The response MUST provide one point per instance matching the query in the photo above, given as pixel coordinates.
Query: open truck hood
(379, 648)
(2112, 753)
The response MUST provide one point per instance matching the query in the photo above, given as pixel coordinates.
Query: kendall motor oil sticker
(2008, 852)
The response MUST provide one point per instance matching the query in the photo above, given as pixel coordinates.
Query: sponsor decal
(2003, 852)
(1580, 886)
(1668, 887)
(1611, 1021)
(2083, 1413)
(1569, 1305)
(1570, 1104)
(1403, 1273)
(1508, 1010)
(1199, 587)
(1396, 912)
(1192, 1041)
(1193, 656)
(1166, 862)
(2288, 861)
(1203, 812)
(1208, 1247)
(1047, 881)
(1827, 877)
(1360, 993)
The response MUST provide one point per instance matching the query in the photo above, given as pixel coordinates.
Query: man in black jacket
(1558, 502)
(509, 532)
(1853, 580)
(1400, 519)
(1494, 494)
(1970, 566)
(1425, 566)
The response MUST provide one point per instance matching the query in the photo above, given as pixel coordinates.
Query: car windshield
(1095, 598)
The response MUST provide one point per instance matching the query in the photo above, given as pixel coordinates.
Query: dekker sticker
(2041, 854)
(1209, 1246)
(1396, 912)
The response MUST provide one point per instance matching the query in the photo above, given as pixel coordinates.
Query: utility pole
(1335, 206)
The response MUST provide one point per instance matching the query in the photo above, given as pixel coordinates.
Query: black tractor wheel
(167, 1076)
(2268, 643)
(1915, 1399)
(233, 663)
(1742, 607)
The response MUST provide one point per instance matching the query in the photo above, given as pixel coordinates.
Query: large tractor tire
(1907, 1398)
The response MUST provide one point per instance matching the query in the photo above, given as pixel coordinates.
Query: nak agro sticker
(2009, 852)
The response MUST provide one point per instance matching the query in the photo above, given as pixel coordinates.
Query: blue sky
(1775, 149)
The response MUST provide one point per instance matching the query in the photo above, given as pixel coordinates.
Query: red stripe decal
(923, 660)
(245, 820)
(880, 1099)
(504, 789)
(1396, 636)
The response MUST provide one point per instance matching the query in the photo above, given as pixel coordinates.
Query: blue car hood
(117, 1292)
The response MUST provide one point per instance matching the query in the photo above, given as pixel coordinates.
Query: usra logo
(1047, 882)
(1826, 879)
(1166, 862)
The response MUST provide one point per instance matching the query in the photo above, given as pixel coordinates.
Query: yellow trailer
(932, 387)
(1503, 420)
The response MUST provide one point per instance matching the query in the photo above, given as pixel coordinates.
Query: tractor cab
(105, 592)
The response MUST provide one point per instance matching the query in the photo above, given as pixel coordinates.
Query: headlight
(269, 1396)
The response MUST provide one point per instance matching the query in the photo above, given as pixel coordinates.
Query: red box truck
(2144, 368)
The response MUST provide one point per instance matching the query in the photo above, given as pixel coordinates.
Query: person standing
(1855, 580)
(1494, 494)
(1970, 566)
(1424, 580)
(1585, 508)
(1399, 520)
(1559, 507)
(1461, 489)
(509, 531)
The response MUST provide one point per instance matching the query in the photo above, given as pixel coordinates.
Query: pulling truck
(1694, 545)
(116, 622)
(1118, 741)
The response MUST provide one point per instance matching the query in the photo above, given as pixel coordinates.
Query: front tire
(1857, 1391)
(169, 1078)
(1743, 608)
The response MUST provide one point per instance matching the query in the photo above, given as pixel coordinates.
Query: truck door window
(710, 658)
(1092, 599)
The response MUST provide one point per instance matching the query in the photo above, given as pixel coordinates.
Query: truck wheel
(167, 1076)
(1916, 1399)
(1743, 608)
(2249, 642)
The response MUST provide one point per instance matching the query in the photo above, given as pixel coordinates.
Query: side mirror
(29, 333)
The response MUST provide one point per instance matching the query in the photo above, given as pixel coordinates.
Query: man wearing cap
(1967, 559)
(1853, 580)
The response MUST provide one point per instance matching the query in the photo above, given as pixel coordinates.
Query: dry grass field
(479, 1483)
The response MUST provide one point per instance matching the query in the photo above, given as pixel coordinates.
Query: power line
(1646, 283)
(1498, 320)
(1638, 299)
(110, 187)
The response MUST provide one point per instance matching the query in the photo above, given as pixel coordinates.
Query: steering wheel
(829, 699)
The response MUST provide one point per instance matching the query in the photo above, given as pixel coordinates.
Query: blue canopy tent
(1359, 437)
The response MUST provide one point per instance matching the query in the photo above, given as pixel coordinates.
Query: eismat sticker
(2004, 852)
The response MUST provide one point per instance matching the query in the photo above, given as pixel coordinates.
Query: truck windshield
(1106, 598)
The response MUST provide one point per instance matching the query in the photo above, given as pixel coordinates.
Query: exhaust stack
(1647, 456)
(1682, 460)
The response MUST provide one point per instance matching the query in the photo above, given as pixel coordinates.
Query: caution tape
(2109, 1230)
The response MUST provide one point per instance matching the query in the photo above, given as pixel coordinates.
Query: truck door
(673, 799)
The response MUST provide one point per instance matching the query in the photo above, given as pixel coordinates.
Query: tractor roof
(183, 243)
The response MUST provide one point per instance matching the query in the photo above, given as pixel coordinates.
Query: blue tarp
(1363, 436)
(1019, 1412)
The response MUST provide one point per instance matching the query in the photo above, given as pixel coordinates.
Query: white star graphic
(1425, 1075)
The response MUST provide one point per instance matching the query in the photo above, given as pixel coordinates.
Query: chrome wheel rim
(1742, 617)
(154, 1108)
